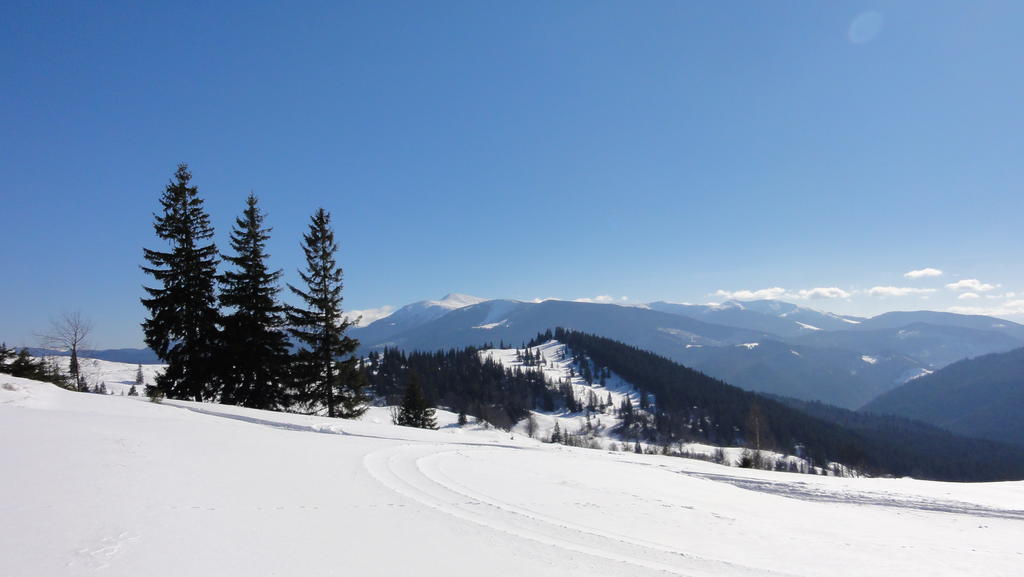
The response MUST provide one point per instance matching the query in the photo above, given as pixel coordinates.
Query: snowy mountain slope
(900, 319)
(414, 315)
(831, 375)
(116, 377)
(119, 486)
(516, 322)
(934, 346)
(770, 316)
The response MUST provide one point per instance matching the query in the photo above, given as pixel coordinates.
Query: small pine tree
(139, 378)
(155, 393)
(415, 410)
(133, 392)
(556, 434)
(462, 419)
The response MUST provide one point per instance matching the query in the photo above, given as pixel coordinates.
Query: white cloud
(830, 292)
(597, 299)
(898, 291)
(1007, 309)
(966, 296)
(749, 295)
(370, 315)
(970, 284)
(773, 293)
(924, 272)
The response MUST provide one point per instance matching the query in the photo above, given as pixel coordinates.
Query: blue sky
(661, 150)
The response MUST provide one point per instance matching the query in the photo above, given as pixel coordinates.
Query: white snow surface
(116, 377)
(119, 486)
(869, 359)
(807, 326)
(454, 301)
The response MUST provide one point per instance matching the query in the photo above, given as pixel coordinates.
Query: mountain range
(980, 397)
(769, 346)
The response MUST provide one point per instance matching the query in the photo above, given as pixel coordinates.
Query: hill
(117, 486)
(981, 397)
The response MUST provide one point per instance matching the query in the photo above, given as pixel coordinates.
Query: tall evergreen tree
(183, 316)
(255, 359)
(321, 379)
(6, 355)
(415, 410)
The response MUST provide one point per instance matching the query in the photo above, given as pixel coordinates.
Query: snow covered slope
(116, 377)
(111, 485)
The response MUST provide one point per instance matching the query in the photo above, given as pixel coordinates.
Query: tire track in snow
(408, 470)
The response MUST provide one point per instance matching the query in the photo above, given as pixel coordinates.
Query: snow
(454, 301)
(118, 486)
(795, 353)
(869, 359)
(807, 326)
(117, 377)
(488, 326)
(911, 374)
(556, 368)
(749, 346)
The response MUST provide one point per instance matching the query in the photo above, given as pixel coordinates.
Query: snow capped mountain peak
(452, 301)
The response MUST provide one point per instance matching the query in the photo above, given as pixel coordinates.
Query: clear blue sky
(655, 150)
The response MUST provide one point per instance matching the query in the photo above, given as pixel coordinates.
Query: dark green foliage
(463, 382)
(24, 366)
(183, 316)
(6, 356)
(692, 406)
(133, 392)
(139, 378)
(415, 411)
(254, 363)
(321, 379)
(154, 393)
(912, 448)
(865, 442)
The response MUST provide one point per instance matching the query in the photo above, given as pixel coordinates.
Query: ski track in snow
(411, 471)
(808, 492)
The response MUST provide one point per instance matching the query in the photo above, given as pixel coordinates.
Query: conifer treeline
(21, 364)
(463, 382)
(233, 345)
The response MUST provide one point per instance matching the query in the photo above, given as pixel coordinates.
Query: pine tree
(139, 378)
(556, 434)
(183, 316)
(255, 361)
(6, 355)
(320, 378)
(133, 392)
(415, 410)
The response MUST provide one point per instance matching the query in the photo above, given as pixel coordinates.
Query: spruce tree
(321, 379)
(6, 355)
(415, 410)
(139, 378)
(255, 359)
(183, 317)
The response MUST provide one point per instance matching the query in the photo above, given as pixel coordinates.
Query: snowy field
(113, 485)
